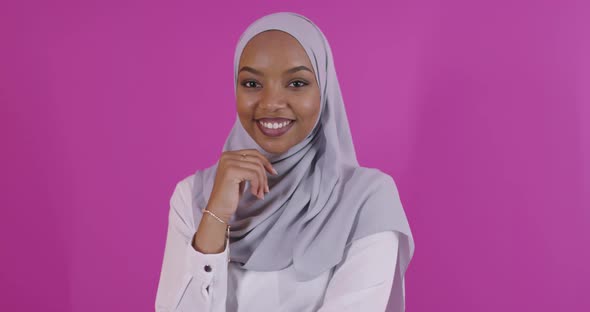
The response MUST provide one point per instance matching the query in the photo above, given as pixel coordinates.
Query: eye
(249, 84)
(299, 83)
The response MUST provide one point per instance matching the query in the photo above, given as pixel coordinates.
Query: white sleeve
(189, 280)
(363, 281)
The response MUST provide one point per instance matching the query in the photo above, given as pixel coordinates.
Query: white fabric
(361, 282)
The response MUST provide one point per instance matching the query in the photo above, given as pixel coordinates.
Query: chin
(273, 145)
(273, 148)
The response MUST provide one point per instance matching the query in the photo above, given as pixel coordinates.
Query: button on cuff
(205, 266)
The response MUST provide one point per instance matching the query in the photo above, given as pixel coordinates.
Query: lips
(273, 119)
(274, 127)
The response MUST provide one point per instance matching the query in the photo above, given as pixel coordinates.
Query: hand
(233, 170)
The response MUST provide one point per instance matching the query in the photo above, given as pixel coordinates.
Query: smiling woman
(316, 231)
(278, 97)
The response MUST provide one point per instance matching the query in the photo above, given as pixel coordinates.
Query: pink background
(480, 110)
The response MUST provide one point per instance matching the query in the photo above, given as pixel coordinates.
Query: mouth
(274, 127)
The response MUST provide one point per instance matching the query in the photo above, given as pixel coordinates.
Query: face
(278, 97)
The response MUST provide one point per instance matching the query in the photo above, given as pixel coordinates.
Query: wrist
(218, 213)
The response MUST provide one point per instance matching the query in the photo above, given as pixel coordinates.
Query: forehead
(274, 48)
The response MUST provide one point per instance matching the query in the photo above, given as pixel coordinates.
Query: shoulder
(372, 180)
(369, 261)
(379, 204)
(189, 186)
(186, 185)
(378, 242)
(183, 187)
(180, 201)
(377, 248)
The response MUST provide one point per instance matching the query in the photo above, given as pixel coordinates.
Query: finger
(255, 165)
(263, 173)
(265, 162)
(242, 186)
(254, 159)
(252, 172)
(252, 176)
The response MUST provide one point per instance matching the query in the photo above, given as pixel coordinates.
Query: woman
(286, 220)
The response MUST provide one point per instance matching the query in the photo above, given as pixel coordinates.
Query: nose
(273, 98)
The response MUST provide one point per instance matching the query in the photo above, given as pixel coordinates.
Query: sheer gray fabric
(322, 200)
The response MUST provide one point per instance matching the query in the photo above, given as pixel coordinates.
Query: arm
(363, 281)
(190, 280)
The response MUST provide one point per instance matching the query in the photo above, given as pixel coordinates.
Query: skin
(270, 90)
(272, 82)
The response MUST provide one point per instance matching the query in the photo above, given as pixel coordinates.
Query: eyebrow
(288, 71)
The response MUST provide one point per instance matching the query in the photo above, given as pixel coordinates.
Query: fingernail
(267, 189)
(274, 171)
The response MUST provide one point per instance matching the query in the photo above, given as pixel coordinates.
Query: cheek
(309, 109)
(245, 107)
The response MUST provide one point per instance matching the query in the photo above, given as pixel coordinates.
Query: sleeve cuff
(206, 266)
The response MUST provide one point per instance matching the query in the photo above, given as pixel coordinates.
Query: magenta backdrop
(480, 111)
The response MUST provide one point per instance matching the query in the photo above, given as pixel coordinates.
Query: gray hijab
(322, 200)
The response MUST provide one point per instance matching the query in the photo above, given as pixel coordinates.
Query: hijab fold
(321, 200)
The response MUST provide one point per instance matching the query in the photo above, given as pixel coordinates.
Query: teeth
(274, 125)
